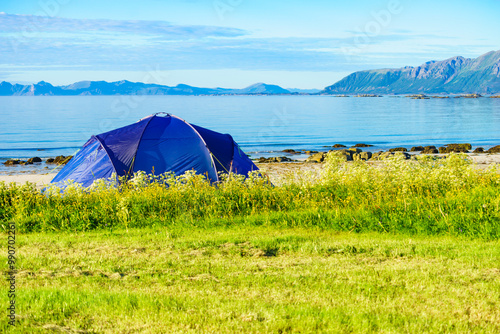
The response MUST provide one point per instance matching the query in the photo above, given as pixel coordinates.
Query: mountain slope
(125, 87)
(41, 88)
(456, 75)
(261, 88)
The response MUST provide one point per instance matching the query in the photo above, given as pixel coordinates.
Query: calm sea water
(50, 126)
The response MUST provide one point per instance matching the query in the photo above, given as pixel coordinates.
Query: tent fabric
(220, 145)
(241, 163)
(169, 144)
(155, 145)
(90, 163)
(122, 144)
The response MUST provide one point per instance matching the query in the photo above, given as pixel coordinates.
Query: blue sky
(235, 43)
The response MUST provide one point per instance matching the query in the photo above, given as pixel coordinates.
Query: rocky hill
(262, 88)
(457, 75)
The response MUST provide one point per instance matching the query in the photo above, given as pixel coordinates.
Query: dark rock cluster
(494, 149)
(30, 161)
(430, 150)
(398, 149)
(274, 159)
(355, 154)
(455, 148)
(60, 160)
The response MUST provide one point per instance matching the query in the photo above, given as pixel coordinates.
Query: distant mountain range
(134, 88)
(457, 75)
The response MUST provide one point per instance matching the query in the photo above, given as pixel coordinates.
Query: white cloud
(33, 24)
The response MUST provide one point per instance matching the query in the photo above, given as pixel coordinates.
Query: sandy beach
(485, 160)
(40, 179)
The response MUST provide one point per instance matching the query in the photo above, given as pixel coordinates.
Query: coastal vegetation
(403, 246)
(426, 196)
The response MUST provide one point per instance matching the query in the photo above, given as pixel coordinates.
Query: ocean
(47, 126)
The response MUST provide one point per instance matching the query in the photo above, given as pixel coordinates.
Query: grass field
(258, 279)
(409, 247)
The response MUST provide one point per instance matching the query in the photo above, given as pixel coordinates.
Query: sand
(40, 179)
(481, 161)
(485, 159)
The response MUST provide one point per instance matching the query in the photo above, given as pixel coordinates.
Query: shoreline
(278, 148)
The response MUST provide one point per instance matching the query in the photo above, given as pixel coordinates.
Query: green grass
(255, 279)
(406, 247)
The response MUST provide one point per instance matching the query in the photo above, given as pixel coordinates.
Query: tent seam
(206, 146)
(107, 153)
(138, 143)
(232, 153)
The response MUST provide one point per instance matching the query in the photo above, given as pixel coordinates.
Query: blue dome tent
(156, 144)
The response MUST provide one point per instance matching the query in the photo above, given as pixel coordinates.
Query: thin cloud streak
(34, 23)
